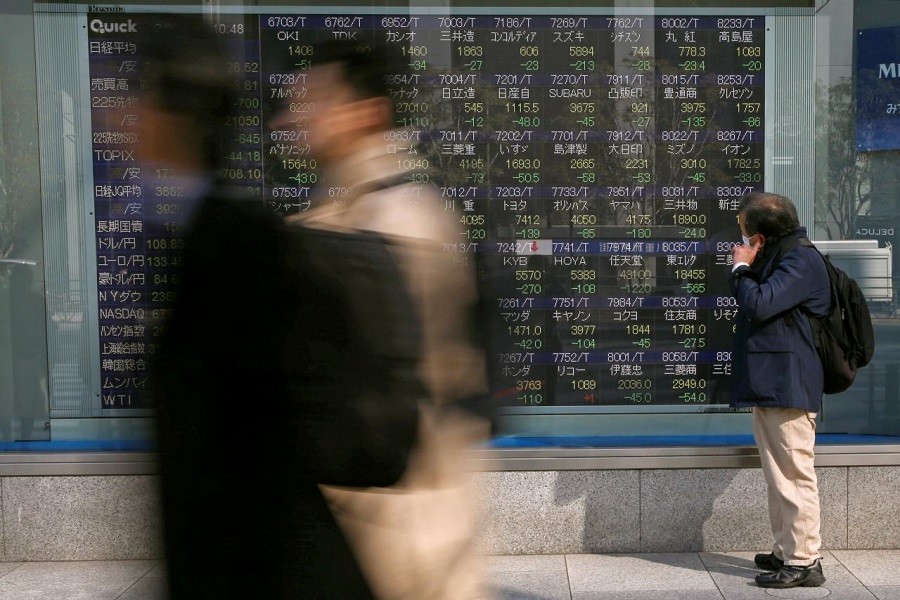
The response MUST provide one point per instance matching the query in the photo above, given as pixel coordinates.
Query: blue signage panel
(878, 89)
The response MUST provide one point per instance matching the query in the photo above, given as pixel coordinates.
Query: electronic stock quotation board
(596, 163)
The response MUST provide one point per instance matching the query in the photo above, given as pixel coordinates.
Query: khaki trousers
(786, 437)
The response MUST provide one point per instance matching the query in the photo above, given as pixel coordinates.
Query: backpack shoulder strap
(789, 245)
(784, 249)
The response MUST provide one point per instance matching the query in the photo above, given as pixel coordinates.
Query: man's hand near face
(743, 253)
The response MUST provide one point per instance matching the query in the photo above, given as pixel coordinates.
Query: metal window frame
(687, 457)
(45, 464)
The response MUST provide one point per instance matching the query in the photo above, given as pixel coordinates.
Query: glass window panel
(24, 384)
(595, 152)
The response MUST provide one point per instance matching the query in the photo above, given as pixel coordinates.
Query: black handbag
(351, 356)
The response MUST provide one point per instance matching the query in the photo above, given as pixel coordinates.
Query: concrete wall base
(522, 512)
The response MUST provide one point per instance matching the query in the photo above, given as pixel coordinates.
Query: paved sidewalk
(851, 575)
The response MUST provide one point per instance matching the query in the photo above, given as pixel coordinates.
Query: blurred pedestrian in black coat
(243, 441)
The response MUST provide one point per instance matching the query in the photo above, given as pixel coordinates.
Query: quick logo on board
(100, 26)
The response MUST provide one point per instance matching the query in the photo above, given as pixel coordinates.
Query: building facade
(596, 152)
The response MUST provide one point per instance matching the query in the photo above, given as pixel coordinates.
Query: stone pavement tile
(640, 576)
(152, 586)
(650, 595)
(733, 573)
(872, 567)
(95, 580)
(527, 577)
(12, 592)
(8, 567)
(886, 592)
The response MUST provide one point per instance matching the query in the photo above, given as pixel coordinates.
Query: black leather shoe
(789, 577)
(768, 562)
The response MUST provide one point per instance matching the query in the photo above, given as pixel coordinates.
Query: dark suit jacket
(775, 363)
(240, 468)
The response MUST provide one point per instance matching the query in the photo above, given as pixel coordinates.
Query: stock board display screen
(596, 163)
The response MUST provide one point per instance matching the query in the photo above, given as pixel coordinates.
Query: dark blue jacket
(775, 363)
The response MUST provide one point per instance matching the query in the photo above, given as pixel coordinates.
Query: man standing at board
(414, 539)
(777, 371)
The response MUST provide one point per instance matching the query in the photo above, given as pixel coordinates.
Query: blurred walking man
(415, 539)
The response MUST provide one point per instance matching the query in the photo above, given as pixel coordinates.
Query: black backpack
(845, 339)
